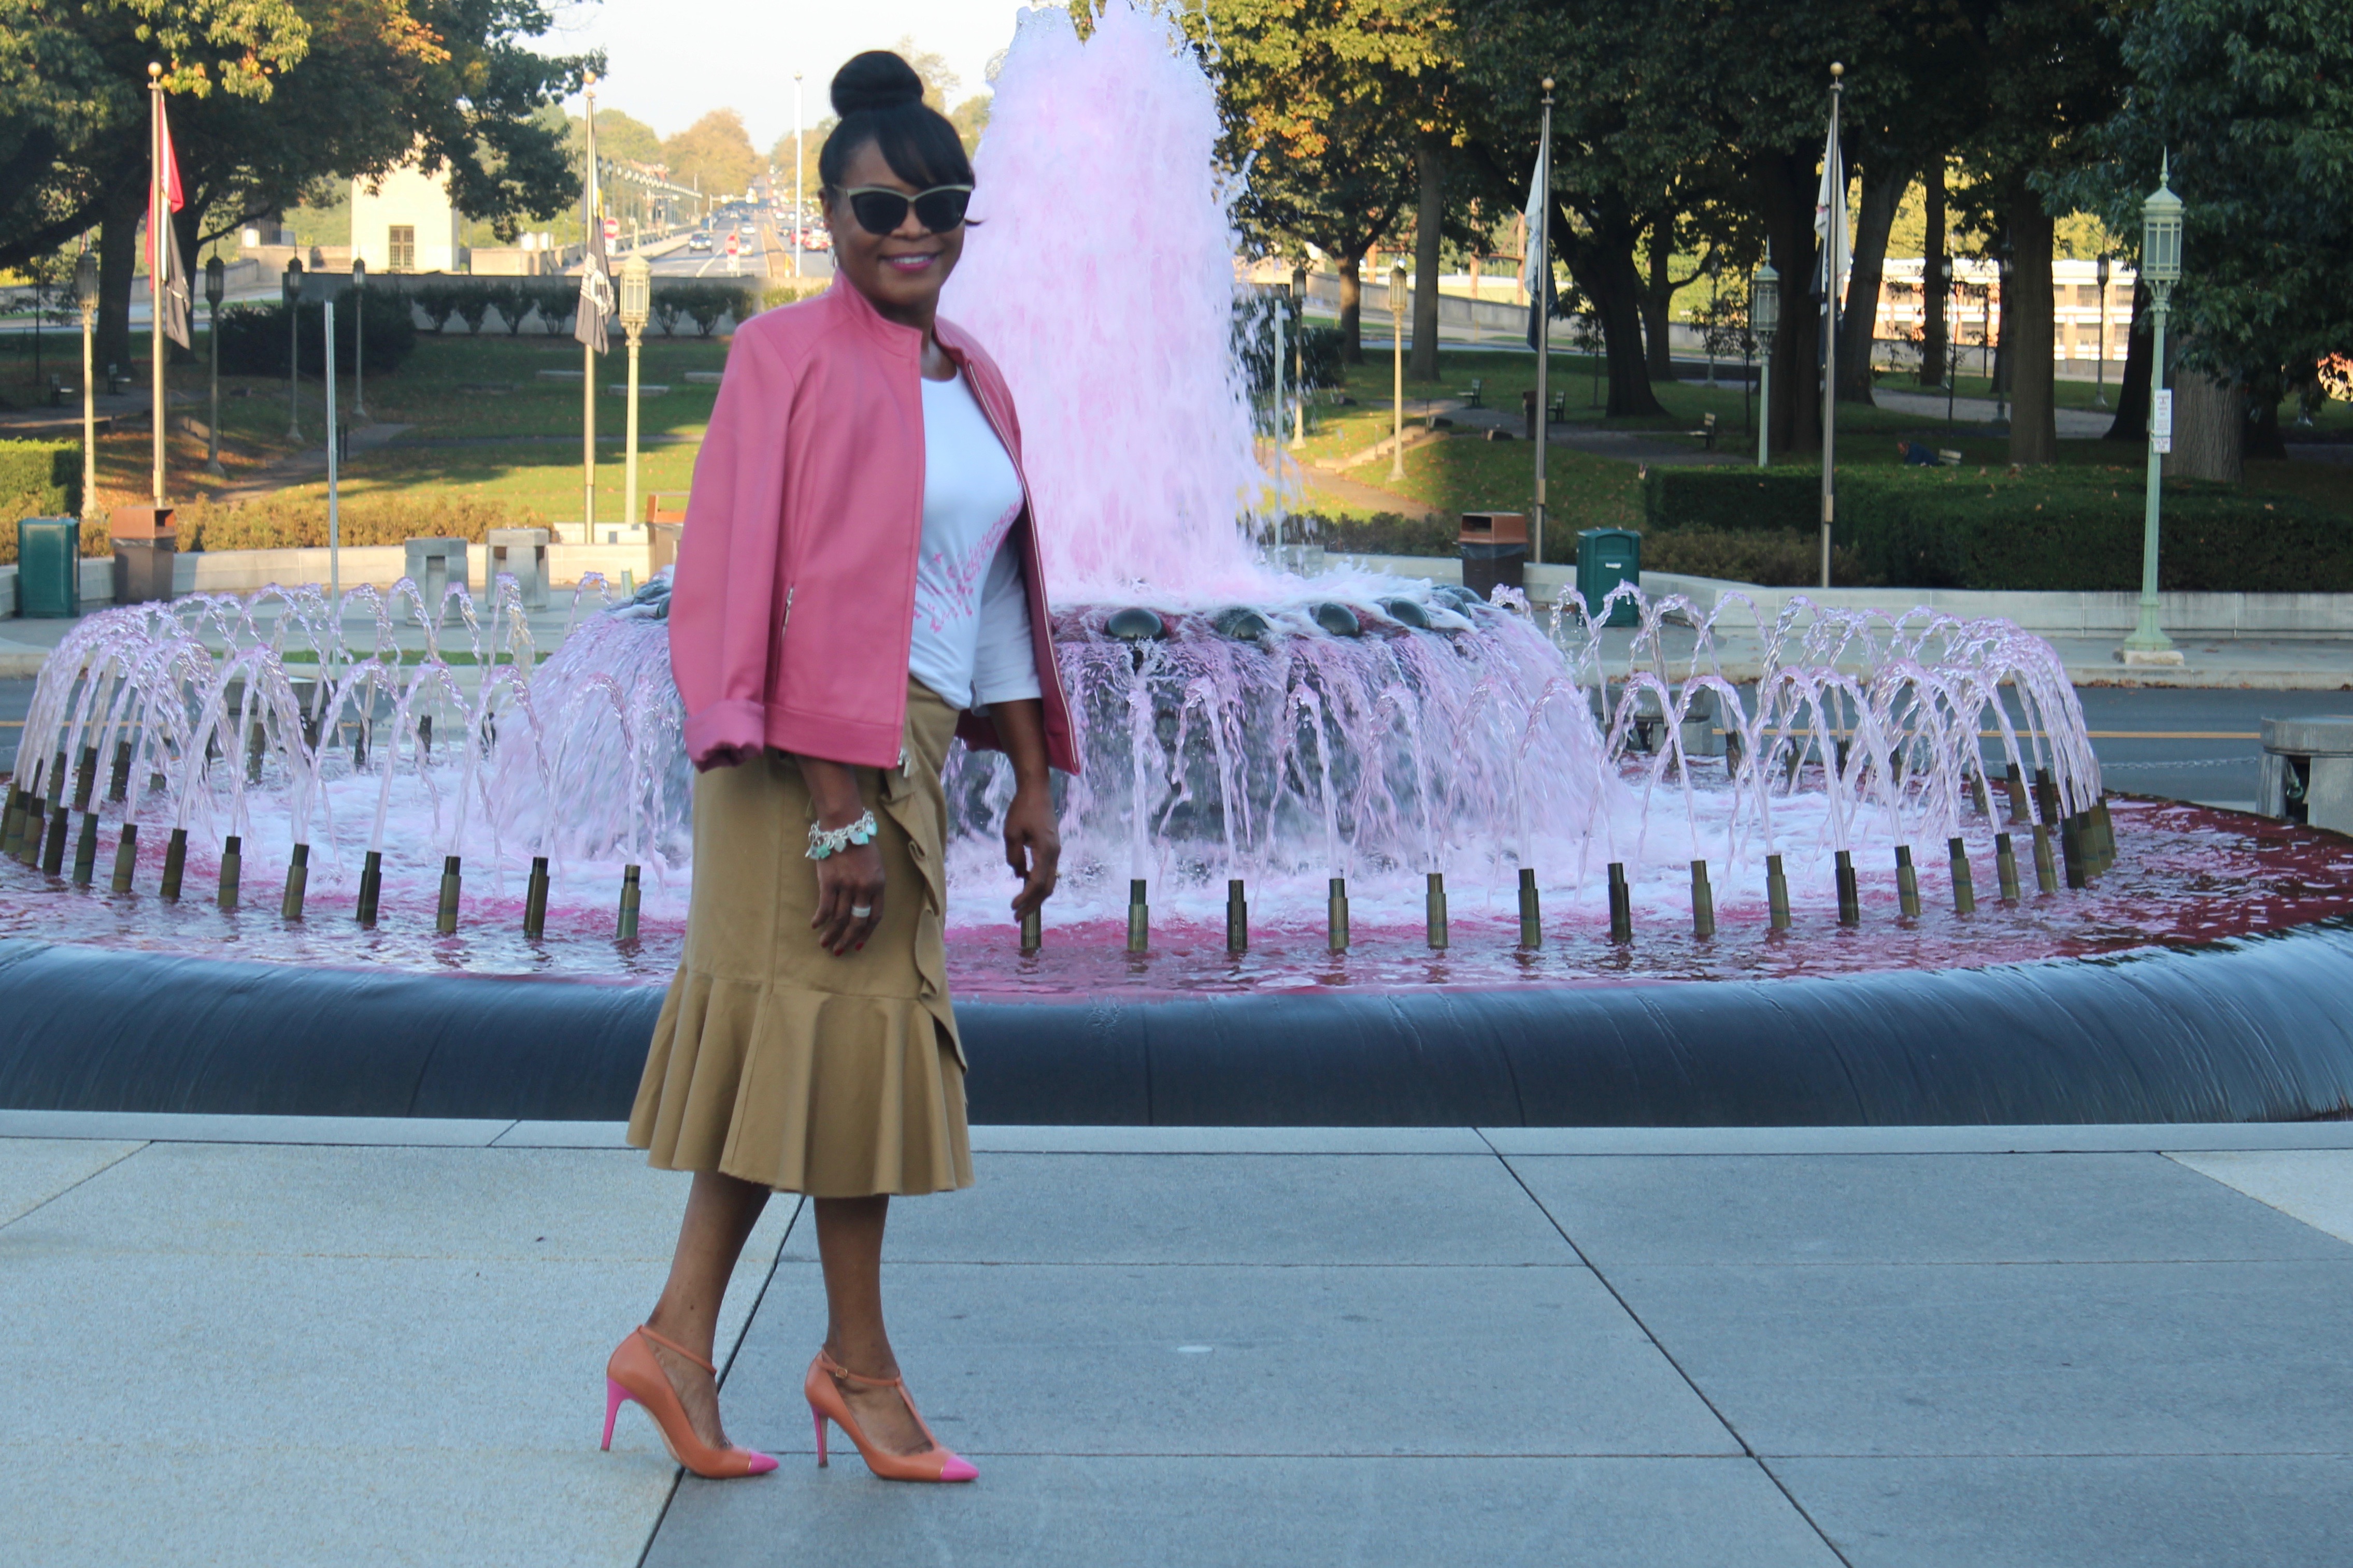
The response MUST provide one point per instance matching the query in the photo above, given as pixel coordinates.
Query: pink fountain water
(1239, 724)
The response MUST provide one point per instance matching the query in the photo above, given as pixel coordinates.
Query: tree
(268, 100)
(2253, 101)
(716, 152)
(1320, 99)
(970, 117)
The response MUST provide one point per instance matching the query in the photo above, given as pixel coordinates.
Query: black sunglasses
(882, 211)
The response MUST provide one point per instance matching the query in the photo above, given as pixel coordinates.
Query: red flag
(167, 275)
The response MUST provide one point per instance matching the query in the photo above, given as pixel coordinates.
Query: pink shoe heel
(820, 1437)
(826, 1403)
(615, 1397)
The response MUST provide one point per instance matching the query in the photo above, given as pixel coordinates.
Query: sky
(668, 61)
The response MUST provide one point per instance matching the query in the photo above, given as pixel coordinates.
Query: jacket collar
(906, 342)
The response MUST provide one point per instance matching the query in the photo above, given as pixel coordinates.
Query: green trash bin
(48, 567)
(1605, 558)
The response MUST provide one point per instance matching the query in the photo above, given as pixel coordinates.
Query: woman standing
(858, 582)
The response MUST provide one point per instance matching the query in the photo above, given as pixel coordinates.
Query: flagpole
(1542, 237)
(587, 349)
(1833, 241)
(158, 214)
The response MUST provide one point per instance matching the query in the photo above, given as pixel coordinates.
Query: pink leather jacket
(792, 604)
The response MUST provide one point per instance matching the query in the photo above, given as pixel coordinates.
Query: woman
(857, 582)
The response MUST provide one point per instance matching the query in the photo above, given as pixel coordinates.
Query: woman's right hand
(849, 881)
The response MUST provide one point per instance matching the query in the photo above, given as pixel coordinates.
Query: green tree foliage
(2254, 99)
(714, 152)
(1323, 99)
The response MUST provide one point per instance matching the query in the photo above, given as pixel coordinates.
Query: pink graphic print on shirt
(950, 591)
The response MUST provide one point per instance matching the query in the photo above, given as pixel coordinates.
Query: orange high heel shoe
(634, 1373)
(826, 1403)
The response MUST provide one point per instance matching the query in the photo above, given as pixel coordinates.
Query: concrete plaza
(268, 1341)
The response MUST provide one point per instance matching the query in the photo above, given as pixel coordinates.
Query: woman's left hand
(1033, 846)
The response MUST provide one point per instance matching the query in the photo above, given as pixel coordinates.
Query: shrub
(1767, 559)
(2056, 529)
(41, 478)
(1383, 533)
(2063, 528)
(704, 303)
(790, 290)
(1733, 499)
(253, 336)
(511, 299)
(438, 301)
(472, 306)
(285, 521)
(554, 299)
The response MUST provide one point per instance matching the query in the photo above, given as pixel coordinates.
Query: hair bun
(875, 79)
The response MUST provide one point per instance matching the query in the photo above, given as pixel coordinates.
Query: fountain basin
(2247, 1029)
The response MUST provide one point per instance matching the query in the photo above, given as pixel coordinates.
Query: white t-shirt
(972, 614)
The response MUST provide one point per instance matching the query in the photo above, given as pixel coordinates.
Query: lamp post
(290, 285)
(2100, 365)
(2001, 363)
(637, 299)
(1944, 282)
(86, 296)
(1397, 341)
(1715, 291)
(215, 290)
(1764, 321)
(323, 287)
(2160, 269)
(1541, 276)
(359, 341)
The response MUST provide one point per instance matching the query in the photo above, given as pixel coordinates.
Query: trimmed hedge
(2048, 529)
(285, 521)
(38, 479)
(1767, 560)
(1732, 501)
(253, 337)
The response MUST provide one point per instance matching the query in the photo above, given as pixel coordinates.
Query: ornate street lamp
(359, 341)
(216, 291)
(1999, 369)
(86, 296)
(636, 303)
(291, 284)
(2100, 365)
(1765, 321)
(2160, 269)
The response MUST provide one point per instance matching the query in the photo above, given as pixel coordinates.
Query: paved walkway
(303, 1342)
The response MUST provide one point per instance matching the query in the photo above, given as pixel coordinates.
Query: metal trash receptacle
(146, 550)
(436, 565)
(48, 568)
(1494, 550)
(520, 553)
(2308, 771)
(1605, 558)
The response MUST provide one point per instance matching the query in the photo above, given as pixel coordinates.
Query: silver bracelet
(824, 844)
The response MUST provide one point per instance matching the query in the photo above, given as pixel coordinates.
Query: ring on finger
(859, 912)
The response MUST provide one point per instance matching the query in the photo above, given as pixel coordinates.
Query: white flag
(1535, 220)
(1830, 213)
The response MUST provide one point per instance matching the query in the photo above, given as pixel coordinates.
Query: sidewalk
(293, 1343)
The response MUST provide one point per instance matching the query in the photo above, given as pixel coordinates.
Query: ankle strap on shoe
(672, 1346)
(836, 1369)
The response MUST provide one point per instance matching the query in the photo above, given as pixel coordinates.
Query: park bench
(1477, 396)
(60, 392)
(1705, 434)
(1557, 412)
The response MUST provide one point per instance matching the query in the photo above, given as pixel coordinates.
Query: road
(767, 254)
(2184, 744)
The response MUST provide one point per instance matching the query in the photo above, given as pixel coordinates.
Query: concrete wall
(248, 571)
(2207, 616)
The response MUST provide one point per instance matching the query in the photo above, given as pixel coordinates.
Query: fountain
(1347, 848)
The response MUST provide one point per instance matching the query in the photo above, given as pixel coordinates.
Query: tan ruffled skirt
(778, 1063)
